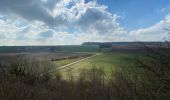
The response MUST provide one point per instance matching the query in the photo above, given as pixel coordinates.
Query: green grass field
(108, 61)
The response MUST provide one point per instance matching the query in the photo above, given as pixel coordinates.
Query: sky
(72, 22)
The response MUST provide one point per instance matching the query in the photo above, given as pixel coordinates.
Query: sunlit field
(107, 61)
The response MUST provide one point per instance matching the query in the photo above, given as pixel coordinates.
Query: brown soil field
(131, 48)
(43, 56)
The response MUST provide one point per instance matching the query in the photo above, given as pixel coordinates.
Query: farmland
(107, 61)
(119, 57)
(63, 54)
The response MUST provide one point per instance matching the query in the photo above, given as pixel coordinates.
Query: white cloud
(47, 22)
(153, 33)
(52, 22)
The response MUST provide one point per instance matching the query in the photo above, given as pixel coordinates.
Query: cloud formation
(63, 13)
(156, 32)
(51, 22)
(37, 20)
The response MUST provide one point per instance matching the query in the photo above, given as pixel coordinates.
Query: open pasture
(107, 61)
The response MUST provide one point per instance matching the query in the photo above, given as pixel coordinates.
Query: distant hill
(120, 43)
(124, 46)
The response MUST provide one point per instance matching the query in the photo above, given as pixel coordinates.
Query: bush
(157, 69)
(27, 70)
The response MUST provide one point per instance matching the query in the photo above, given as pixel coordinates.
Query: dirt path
(66, 66)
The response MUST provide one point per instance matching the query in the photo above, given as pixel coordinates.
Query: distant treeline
(120, 43)
(64, 48)
(85, 47)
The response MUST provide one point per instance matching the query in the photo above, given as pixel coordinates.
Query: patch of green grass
(108, 61)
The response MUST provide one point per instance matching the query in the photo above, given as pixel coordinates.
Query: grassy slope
(107, 61)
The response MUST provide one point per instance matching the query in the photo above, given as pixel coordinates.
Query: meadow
(109, 62)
